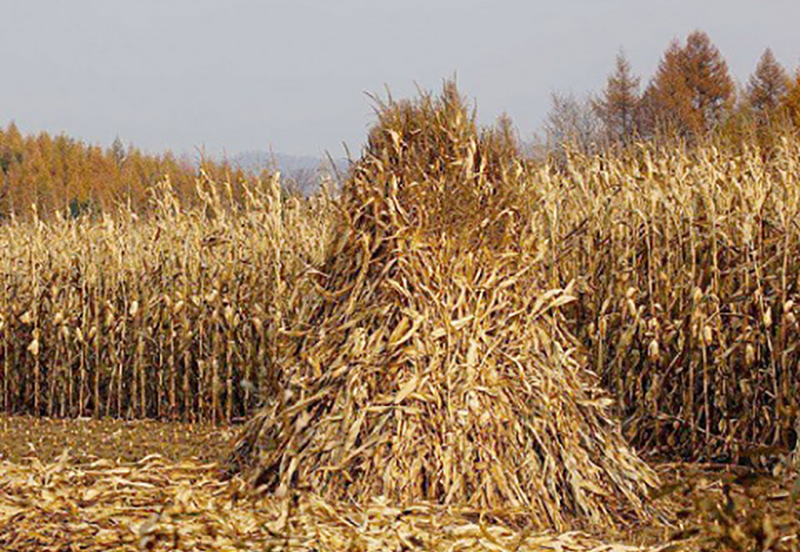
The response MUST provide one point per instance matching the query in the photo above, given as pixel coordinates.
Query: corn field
(171, 317)
(688, 266)
(685, 265)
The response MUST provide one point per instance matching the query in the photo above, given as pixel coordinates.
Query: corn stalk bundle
(433, 365)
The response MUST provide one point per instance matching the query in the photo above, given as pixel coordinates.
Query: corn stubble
(158, 505)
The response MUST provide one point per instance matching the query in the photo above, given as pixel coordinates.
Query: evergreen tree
(618, 107)
(767, 86)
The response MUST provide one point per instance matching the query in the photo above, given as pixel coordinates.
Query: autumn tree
(666, 103)
(691, 90)
(791, 100)
(12, 150)
(767, 86)
(59, 173)
(618, 105)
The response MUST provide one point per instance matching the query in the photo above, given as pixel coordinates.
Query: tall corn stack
(170, 317)
(434, 364)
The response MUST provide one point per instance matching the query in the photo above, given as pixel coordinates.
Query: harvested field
(155, 506)
(463, 350)
(87, 439)
(685, 266)
(164, 492)
(96, 500)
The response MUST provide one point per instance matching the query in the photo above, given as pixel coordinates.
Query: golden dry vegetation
(115, 485)
(121, 485)
(172, 317)
(435, 364)
(460, 327)
(153, 505)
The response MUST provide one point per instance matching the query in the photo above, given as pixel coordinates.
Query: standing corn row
(689, 268)
(686, 265)
(154, 318)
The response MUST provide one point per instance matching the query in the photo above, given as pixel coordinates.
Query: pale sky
(290, 75)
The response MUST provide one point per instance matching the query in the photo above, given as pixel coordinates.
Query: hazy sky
(236, 75)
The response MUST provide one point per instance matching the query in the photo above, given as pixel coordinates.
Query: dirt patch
(23, 437)
(721, 507)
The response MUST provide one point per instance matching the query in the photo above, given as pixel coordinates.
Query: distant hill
(301, 171)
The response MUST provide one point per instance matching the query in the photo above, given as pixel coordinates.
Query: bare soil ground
(87, 439)
(117, 485)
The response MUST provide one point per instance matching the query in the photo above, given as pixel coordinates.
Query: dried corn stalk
(435, 364)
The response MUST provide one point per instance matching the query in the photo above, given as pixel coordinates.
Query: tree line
(49, 174)
(690, 97)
